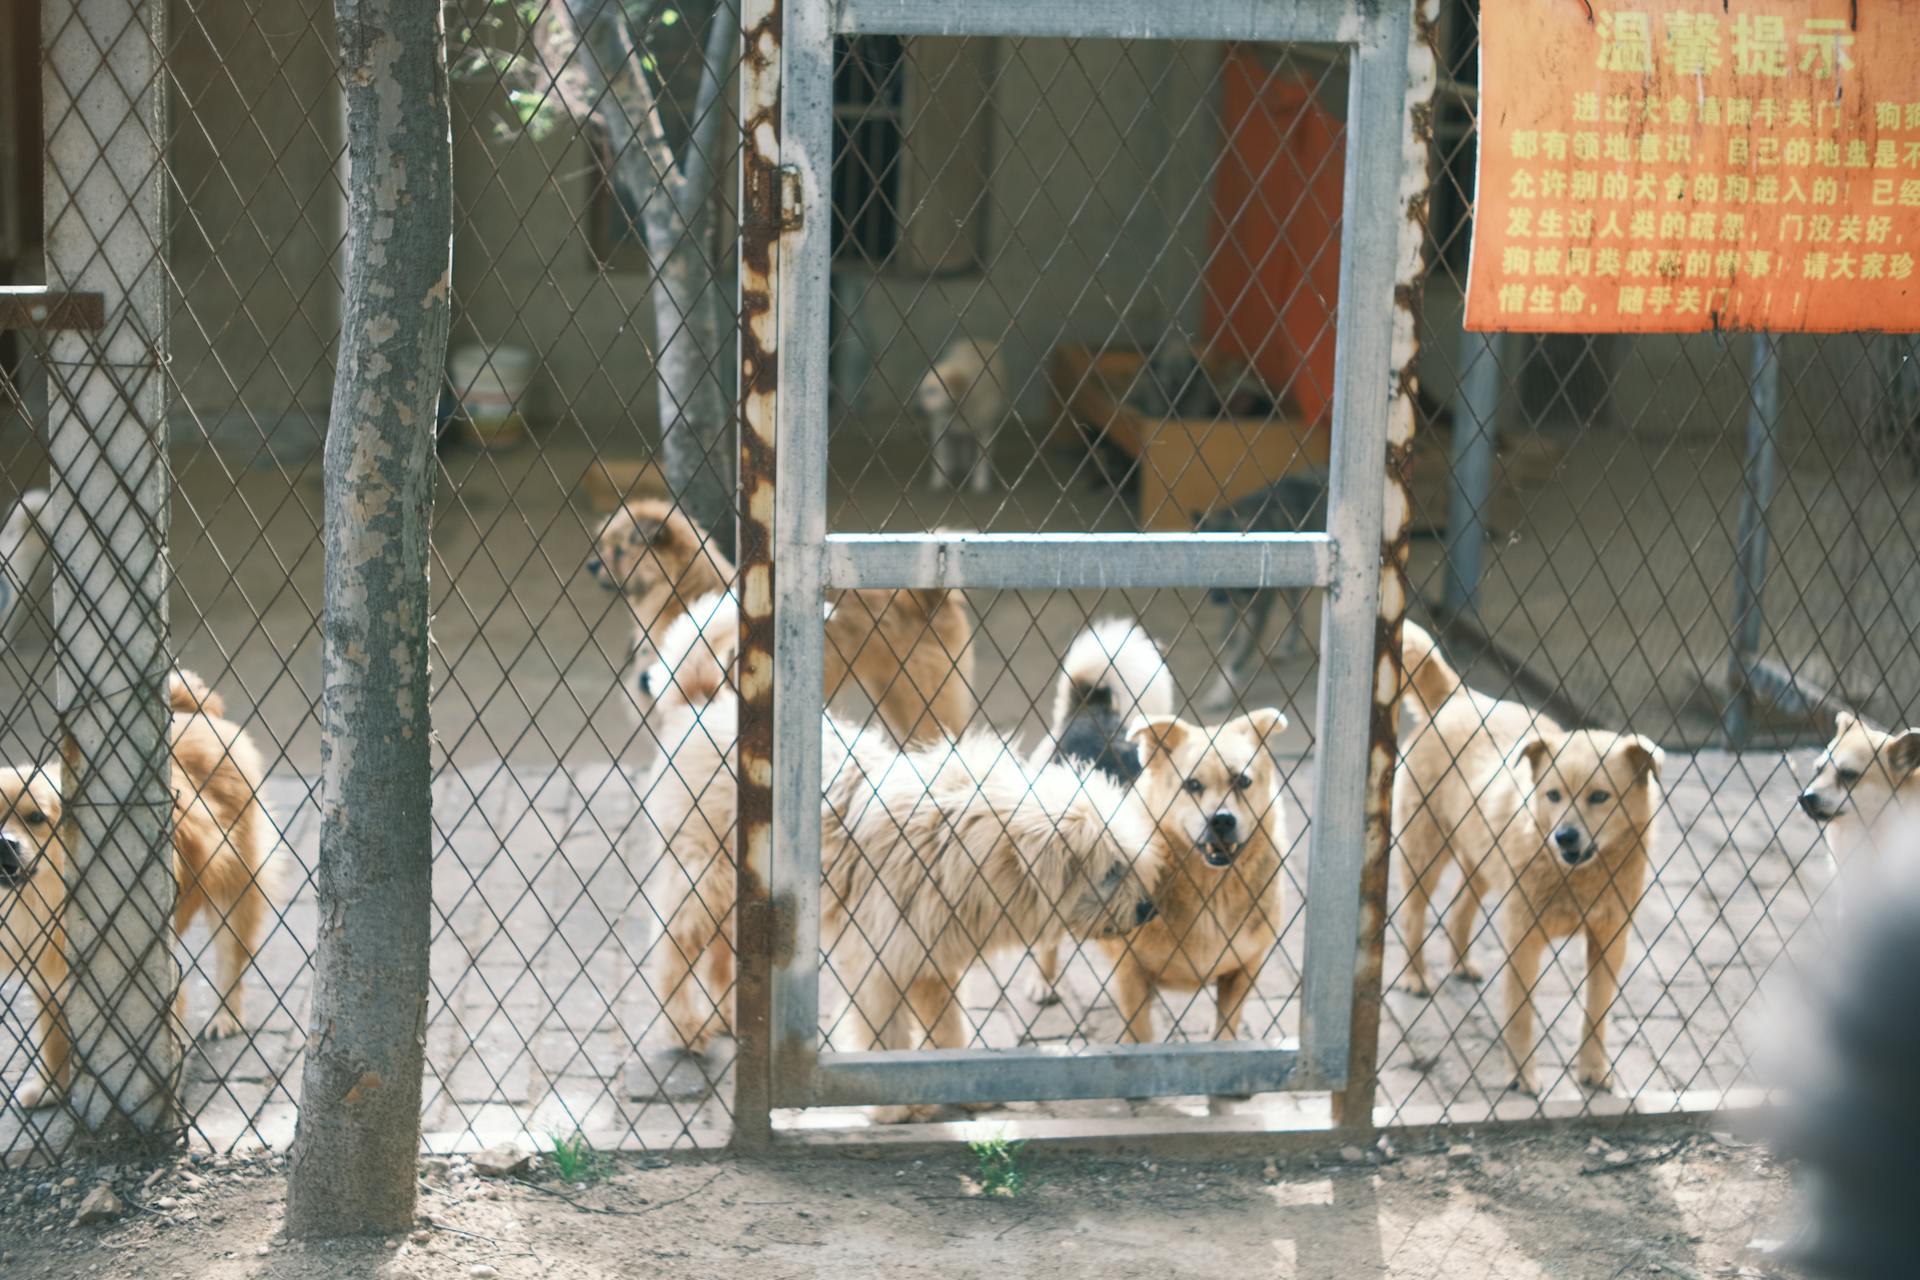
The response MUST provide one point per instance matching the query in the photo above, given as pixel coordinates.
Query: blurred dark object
(1856, 1128)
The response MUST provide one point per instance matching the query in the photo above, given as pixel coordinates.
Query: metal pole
(104, 99)
(1353, 1103)
(1750, 551)
(1476, 411)
(1366, 598)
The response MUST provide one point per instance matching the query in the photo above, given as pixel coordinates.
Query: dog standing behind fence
(221, 841)
(1554, 824)
(1865, 789)
(910, 651)
(1213, 794)
(963, 398)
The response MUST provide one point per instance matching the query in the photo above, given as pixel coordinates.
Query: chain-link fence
(1072, 286)
(1699, 546)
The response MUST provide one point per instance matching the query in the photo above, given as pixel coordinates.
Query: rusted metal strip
(755, 924)
(1353, 1105)
(37, 307)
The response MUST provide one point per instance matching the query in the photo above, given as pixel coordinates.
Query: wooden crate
(1188, 466)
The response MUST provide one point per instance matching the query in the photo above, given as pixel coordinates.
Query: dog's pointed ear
(1903, 753)
(1265, 722)
(1643, 757)
(1158, 735)
(1536, 753)
(1843, 720)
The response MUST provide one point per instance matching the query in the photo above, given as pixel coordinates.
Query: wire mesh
(1629, 496)
(540, 1004)
(1078, 286)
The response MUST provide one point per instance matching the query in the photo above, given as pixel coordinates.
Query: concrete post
(104, 97)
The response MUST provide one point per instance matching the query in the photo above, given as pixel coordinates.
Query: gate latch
(773, 198)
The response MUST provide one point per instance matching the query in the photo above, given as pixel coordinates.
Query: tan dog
(221, 841)
(1554, 824)
(939, 858)
(1213, 796)
(1866, 784)
(909, 651)
(933, 858)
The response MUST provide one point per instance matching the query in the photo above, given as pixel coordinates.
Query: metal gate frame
(788, 559)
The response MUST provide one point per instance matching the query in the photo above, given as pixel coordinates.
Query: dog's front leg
(1523, 974)
(1232, 990)
(1044, 990)
(56, 1052)
(1606, 957)
(1460, 922)
(1414, 923)
(941, 448)
(983, 476)
(1133, 993)
(929, 1017)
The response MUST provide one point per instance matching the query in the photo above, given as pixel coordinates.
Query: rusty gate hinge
(773, 198)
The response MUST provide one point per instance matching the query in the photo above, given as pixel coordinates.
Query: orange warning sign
(1672, 166)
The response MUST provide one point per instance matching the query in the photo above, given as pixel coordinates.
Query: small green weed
(575, 1159)
(1002, 1166)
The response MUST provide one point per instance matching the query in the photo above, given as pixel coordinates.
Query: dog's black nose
(1811, 803)
(1568, 838)
(12, 858)
(1224, 823)
(646, 684)
(594, 567)
(1144, 912)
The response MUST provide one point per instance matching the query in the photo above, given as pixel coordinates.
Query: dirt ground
(1570, 1206)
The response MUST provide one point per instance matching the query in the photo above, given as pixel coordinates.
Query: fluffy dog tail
(1115, 665)
(188, 694)
(1429, 678)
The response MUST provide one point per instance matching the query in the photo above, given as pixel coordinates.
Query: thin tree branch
(621, 98)
(723, 39)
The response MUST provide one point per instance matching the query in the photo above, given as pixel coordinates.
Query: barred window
(869, 136)
(912, 122)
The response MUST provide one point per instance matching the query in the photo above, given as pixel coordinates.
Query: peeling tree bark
(354, 1155)
(675, 199)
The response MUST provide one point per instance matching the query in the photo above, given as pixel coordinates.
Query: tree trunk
(359, 1133)
(692, 374)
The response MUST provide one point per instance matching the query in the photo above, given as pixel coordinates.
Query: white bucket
(492, 388)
